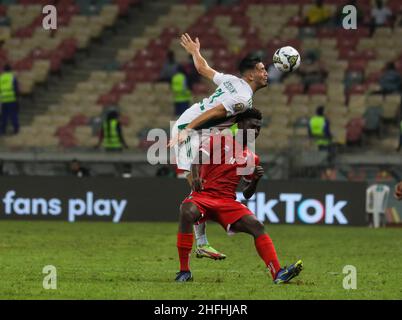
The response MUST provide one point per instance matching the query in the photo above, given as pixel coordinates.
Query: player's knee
(189, 212)
(257, 228)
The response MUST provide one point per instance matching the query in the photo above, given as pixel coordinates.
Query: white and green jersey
(233, 93)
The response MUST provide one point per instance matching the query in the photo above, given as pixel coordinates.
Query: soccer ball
(286, 59)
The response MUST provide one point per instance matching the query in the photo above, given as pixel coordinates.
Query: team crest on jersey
(238, 107)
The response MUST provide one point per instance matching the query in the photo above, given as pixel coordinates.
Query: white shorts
(186, 152)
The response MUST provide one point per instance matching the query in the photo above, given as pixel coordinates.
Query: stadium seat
(354, 130)
(392, 105)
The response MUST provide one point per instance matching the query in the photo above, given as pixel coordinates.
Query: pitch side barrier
(158, 199)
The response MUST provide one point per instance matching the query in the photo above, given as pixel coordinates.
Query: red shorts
(225, 211)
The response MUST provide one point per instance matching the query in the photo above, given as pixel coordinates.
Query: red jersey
(228, 163)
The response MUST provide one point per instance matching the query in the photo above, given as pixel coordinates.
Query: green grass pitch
(139, 261)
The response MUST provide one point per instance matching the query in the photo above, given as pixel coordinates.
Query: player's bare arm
(218, 112)
(249, 188)
(193, 48)
(215, 113)
(196, 181)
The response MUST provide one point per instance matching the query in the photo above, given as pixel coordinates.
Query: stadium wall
(119, 200)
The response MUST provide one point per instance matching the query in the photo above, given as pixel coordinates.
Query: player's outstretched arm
(193, 48)
(217, 112)
(250, 188)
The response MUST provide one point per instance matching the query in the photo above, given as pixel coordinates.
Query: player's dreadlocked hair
(252, 113)
(249, 63)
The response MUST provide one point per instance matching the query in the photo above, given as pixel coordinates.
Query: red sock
(184, 246)
(266, 250)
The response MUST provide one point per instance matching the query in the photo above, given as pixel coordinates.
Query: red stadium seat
(296, 88)
(395, 6)
(56, 60)
(345, 42)
(25, 32)
(110, 98)
(124, 6)
(240, 20)
(348, 53)
(373, 77)
(368, 54)
(41, 2)
(67, 7)
(124, 120)
(79, 120)
(200, 88)
(66, 131)
(317, 88)
(40, 53)
(135, 76)
(3, 11)
(64, 19)
(354, 130)
(357, 89)
(24, 64)
(68, 142)
(326, 33)
(67, 49)
(123, 87)
(190, 2)
(357, 64)
(398, 65)
(296, 21)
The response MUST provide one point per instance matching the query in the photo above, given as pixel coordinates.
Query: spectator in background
(181, 91)
(77, 170)
(9, 99)
(191, 72)
(355, 174)
(384, 175)
(169, 67)
(328, 174)
(390, 81)
(380, 16)
(111, 135)
(319, 130)
(318, 14)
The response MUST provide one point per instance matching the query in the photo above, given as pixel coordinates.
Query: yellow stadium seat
(374, 100)
(392, 104)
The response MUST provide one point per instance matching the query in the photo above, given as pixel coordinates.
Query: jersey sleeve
(249, 178)
(220, 77)
(236, 104)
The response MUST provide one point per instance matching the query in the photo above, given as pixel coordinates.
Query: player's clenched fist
(398, 191)
(258, 172)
